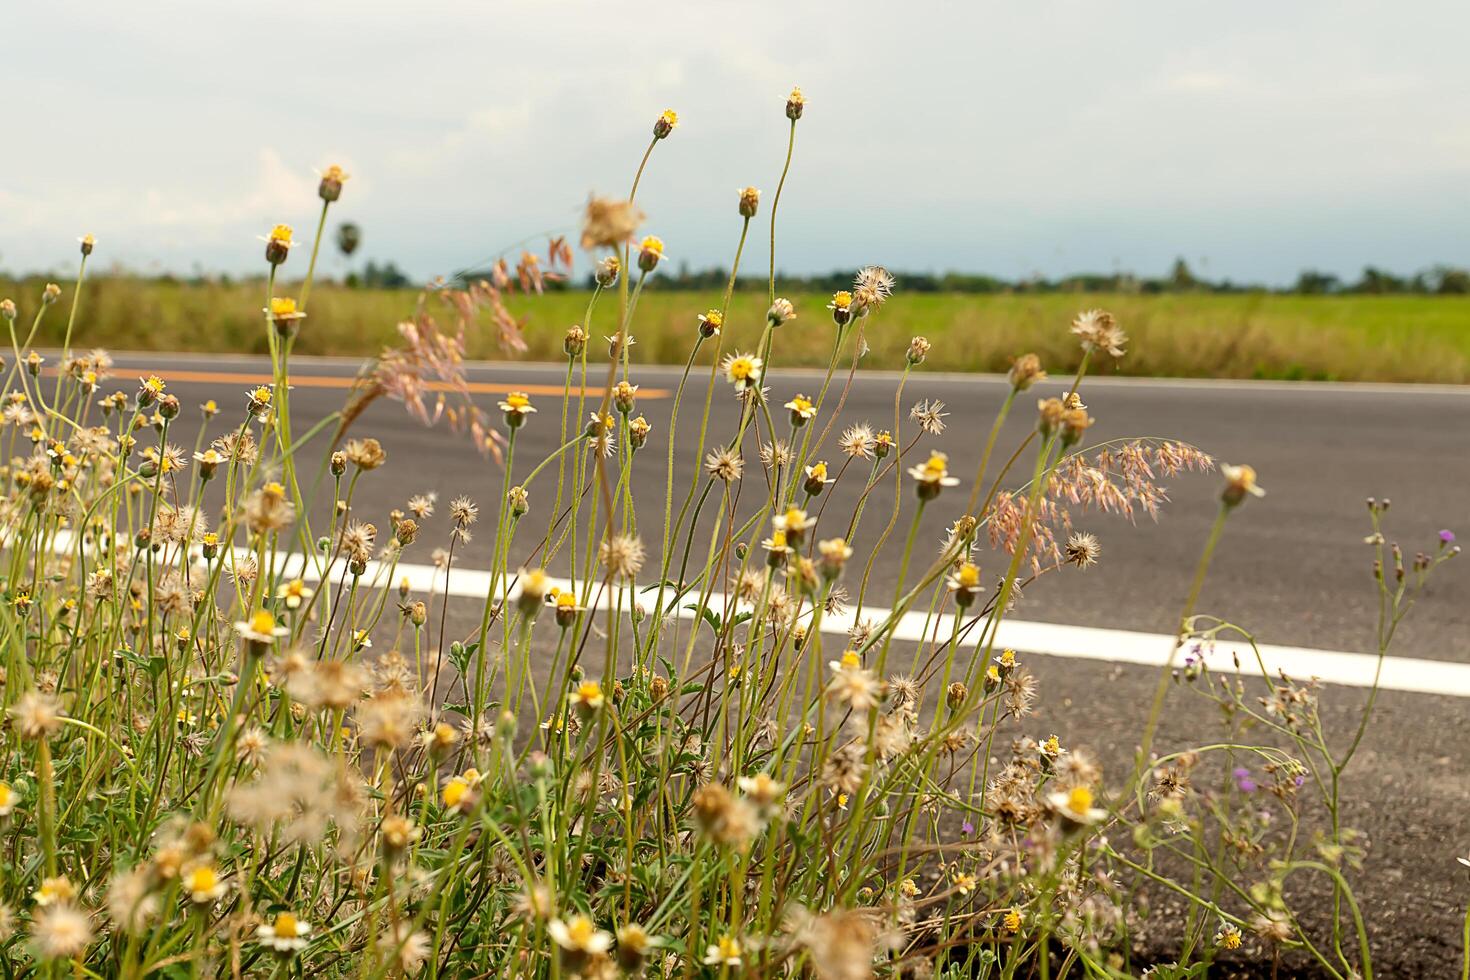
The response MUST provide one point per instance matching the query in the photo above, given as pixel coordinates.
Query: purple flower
(1243, 780)
(1299, 780)
(967, 828)
(1447, 536)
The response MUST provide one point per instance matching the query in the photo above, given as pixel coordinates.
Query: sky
(1255, 139)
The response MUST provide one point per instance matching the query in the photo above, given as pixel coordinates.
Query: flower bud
(750, 200)
(7, 308)
(339, 463)
(624, 395)
(505, 726)
(50, 294)
(665, 124)
(956, 695)
(918, 350)
(331, 186)
(168, 406)
(519, 500)
(418, 613)
(650, 253)
(88, 243)
(795, 103)
(278, 244)
(710, 323)
(575, 341)
(780, 312)
(1026, 371)
(638, 430)
(33, 364)
(607, 271)
(405, 531)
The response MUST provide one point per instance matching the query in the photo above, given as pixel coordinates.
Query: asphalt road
(1292, 566)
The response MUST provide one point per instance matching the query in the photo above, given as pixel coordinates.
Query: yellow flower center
(203, 879)
(1079, 800)
(282, 306)
(211, 539)
(842, 299)
(969, 575)
(729, 947)
(6, 794)
(1052, 745)
(992, 674)
(274, 490)
(589, 692)
(517, 399)
(211, 408)
(795, 517)
(1008, 658)
(1012, 921)
(714, 318)
(778, 540)
(285, 924)
(262, 395)
(566, 600)
(154, 384)
(818, 471)
(652, 244)
(262, 622)
(580, 930)
(741, 368)
(334, 172)
(801, 403)
(455, 790)
(937, 465)
(281, 233)
(850, 658)
(670, 116)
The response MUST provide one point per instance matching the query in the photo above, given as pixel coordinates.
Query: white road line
(1409, 674)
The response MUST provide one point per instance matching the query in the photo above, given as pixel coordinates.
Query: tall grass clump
(688, 732)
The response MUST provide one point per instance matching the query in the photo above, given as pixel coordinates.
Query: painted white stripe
(1350, 669)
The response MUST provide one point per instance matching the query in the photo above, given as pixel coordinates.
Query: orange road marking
(329, 381)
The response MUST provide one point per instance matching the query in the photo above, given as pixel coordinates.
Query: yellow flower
(203, 884)
(517, 403)
(963, 883)
(456, 792)
(588, 696)
(969, 575)
(285, 933)
(1011, 921)
(154, 385)
(578, 934)
(54, 890)
(283, 306)
(8, 799)
(724, 953)
(1239, 481)
(281, 233)
(742, 370)
(1228, 937)
(260, 627)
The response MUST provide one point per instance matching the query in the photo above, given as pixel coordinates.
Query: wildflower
(608, 223)
(260, 627)
(750, 200)
(278, 244)
(932, 476)
(1011, 921)
(665, 123)
(762, 790)
(330, 188)
(650, 253)
(258, 401)
(964, 582)
(566, 608)
(834, 553)
(964, 882)
(463, 512)
(587, 696)
(531, 589)
(795, 103)
(742, 370)
(918, 350)
(285, 933)
(622, 554)
(1075, 807)
(1446, 537)
(1239, 481)
(203, 884)
(1243, 780)
(574, 342)
(7, 309)
(516, 406)
(8, 799)
(411, 951)
(55, 891)
(634, 944)
(793, 523)
(368, 454)
(400, 832)
(61, 932)
(781, 311)
(1049, 414)
(930, 416)
(841, 307)
(1099, 332)
(1228, 937)
(50, 294)
(638, 430)
(458, 793)
(710, 323)
(871, 288)
(816, 478)
(293, 593)
(88, 242)
(579, 937)
(1025, 372)
(726, 952)
(852, 685)
(283, 313)
(1083, 550)
(606, 271)
(37, 715)
(802, 410)
(623, 396)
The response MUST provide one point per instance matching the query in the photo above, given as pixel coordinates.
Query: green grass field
(1360, 338)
